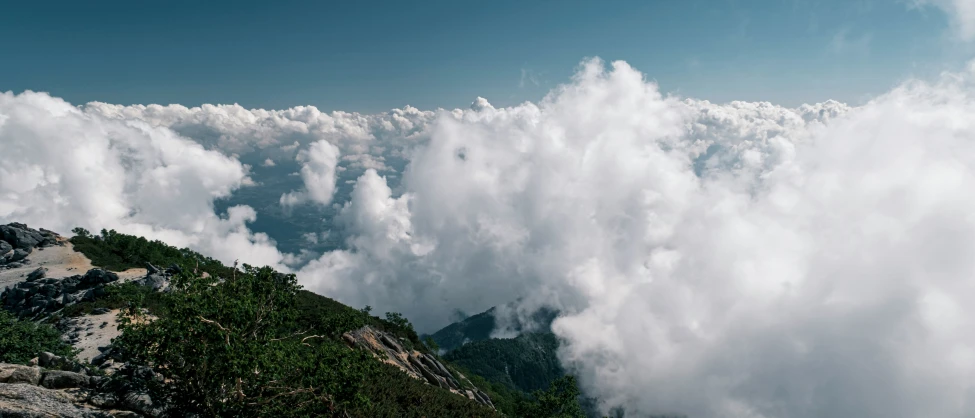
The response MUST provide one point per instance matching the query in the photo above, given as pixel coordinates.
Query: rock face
(20, 400)
(17, 241)
(15, 373)
(57, 379)
(157, 278)
(416, 364)
(27, 391)
(37, 296)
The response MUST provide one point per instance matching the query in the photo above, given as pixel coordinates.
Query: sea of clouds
(718, 260)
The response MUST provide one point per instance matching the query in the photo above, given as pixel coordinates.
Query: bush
(233, 349)
(114, 251)
(21, 341)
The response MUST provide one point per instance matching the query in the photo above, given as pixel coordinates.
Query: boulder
(151, 269)
(155, 281)
(5, 248)
(98, 276)
(103, 400)
(37, 274)
(142, 403)
(174, 269)
(34, 401)
(15, 373)
(20, 236)
(57, 379)
(17, 255)
(49, 359)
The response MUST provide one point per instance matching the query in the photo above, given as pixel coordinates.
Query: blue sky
(371, 56)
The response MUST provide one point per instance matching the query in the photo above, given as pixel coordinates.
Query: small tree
(399, 321)
(431, 344)
(81, 232)
(232, 349)
(560, 400)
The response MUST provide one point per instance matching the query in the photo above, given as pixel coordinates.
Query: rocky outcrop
(15, 373)
(38, 296)
(158, 279)
(31, 391)
(414, 363)
(29, 401)
(17, 241)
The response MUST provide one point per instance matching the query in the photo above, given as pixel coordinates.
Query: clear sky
(371, 56)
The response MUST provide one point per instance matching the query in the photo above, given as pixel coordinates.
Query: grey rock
(57, 379)
(20, 236)
(5, 247)
(140, 402)
(97, 276)
(17, 255)
(99, 359)
(103, 400)
(155, 281)
(28, 401)
(49, 359)
(15, 373)
(174, 269)
(151, 269)
(393, 345)
(37, 274)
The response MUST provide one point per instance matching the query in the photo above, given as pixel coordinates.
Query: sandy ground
(64, 261)
(92, 334)
(60, 261)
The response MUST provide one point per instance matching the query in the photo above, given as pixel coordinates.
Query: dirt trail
(60, 261)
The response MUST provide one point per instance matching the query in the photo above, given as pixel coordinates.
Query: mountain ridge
(196, 283)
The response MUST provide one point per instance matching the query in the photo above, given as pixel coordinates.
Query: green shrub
(21, 341)
(114, 251)
(233, 349)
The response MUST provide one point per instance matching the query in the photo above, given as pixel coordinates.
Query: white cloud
(739, 260)
(62, 167)
(960, 12)
(269, 163)
(720, 260)
(279, 134)
(319, 162)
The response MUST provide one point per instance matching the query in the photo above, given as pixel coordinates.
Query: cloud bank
(739, 260)
(717, 260)
(62, 167)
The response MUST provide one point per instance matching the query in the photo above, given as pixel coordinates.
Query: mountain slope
(479, 327)
(526, 363)
(250, 342)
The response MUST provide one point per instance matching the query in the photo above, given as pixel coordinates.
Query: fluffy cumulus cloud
(62, 167)
(717, 260)
(280, 134)
(739, 260)
(319, 162)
